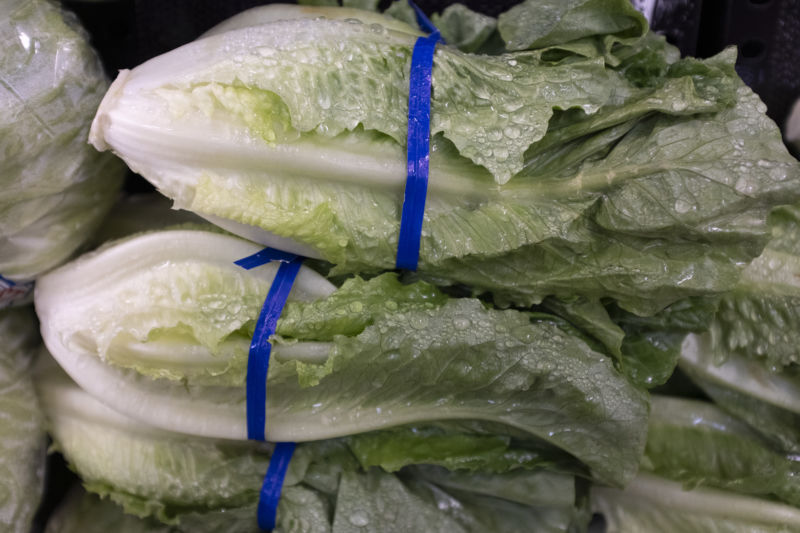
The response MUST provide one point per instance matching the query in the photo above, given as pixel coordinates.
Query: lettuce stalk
(653, 503)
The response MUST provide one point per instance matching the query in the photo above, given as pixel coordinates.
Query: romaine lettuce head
(768, 401)
(203, 484)
(22, 437)
(158, 326)
(758, 318)
(699, 444)
(652, 503)
(54, 188)
(749, 361)
(554, 170)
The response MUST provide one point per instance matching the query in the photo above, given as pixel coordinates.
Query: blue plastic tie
(263, 257)
(419, 147)
(257, 370)
(260, 347)
(270, 493)
(423, 21)
(14, 292)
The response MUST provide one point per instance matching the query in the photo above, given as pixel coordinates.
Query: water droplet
(461, 322)
(743, 185)
(324, 100)
(391, 305)
(418, 322)
(501, 154)
(356, 307)
(359, 519)
(463, 368)
(678, 105)
(682, 206)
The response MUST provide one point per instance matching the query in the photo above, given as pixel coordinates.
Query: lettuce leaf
(83, 512)
(755, 319)
(768, 401)
(22, 437)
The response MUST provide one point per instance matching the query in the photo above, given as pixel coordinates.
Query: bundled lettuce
(704, 470)
(22, 436)
(158, 327)
(204, 484)
(591, 161)
(699, 444)
(749, 361)
(54, 189)
(652, 503)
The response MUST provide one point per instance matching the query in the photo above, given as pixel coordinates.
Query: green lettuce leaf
(83, 512)
(748, 361)
(464, 28)
(22, 437)
(647, 348)
(54, 189)
(535, 488)
(538, 23)
(396, 448)
(756, 319)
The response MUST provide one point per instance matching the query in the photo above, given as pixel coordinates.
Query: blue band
(15, 292)
(423, 21)
(270, 493)
(419, 146)
(257, 370)
(263, 257)
(260, 347)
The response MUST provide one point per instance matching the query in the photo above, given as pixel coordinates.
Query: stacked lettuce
(739, 454)
(54, 189)
(593, 199)
(22, 434)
